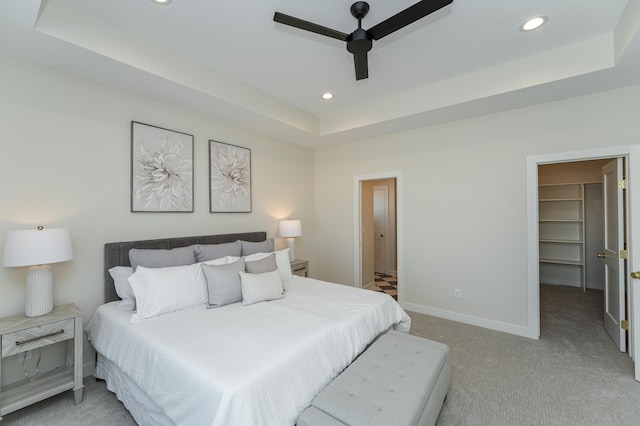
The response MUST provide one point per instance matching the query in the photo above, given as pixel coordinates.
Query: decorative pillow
(162, 290)
(223, 282)
(261, 287)
(205, 252)
(160, 258)
(249, 247)
(282, 261)
(266, 264)
(120, 275)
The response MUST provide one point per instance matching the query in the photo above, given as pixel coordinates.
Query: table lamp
(38, 248)
(290, 229)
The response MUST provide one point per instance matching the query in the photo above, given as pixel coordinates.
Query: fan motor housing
(359, 41)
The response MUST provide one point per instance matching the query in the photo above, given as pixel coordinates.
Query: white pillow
(120, 275)
(261, 287)
(282, 260)
(284, 264)
(162, 290)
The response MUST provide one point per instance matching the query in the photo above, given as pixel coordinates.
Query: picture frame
(161, 169)
(229, 178)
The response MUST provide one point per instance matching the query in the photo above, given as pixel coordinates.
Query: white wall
(65, 162)
(464, 198)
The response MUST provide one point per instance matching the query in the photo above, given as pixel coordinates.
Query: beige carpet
(573, 375)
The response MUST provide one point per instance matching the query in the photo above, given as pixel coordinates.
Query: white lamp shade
(37, 247)
(290, 228)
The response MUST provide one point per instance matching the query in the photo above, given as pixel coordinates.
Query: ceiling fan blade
(362, 67)
(406, 17)
(308, 26)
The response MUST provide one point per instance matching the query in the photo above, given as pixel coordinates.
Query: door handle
(635, 275)
(601, 255)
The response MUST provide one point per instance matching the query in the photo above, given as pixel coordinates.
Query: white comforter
(260, 364)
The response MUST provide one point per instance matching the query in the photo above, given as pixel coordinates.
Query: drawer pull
(55, 333)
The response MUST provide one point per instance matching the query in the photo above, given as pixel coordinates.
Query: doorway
(378, 230)
(579, 242)
(632, 212)
(571, 222)
(378, 221)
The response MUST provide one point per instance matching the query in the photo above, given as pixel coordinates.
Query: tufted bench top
(390, 383)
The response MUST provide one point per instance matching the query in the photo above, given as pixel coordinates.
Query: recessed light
(162, 2)
(533, 23)
(327, 96)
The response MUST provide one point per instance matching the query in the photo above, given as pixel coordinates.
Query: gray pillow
(160, 258)
(223, 283)
(268, 264)
(265, 246)
(204, 252)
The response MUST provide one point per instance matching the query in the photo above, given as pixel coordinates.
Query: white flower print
(163, 176)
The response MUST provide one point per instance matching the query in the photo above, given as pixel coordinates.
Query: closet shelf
(561, 233)
(562, 261)
(559, 199)
(562, 220)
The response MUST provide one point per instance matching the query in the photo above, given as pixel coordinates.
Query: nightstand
(21, 334)
(300, 267)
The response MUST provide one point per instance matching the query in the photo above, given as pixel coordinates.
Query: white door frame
(357, 227)
(633, 160)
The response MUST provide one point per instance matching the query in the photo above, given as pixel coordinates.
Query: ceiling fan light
(327, 96)
(533, 23)
(162, 2)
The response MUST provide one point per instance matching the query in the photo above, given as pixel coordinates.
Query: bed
(236, 364)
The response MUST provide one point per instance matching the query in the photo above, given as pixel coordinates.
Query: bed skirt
(142, 408)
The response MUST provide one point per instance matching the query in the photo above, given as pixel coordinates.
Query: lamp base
(39, 290)
(291, 245)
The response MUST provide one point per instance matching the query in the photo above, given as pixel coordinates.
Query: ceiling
(229, 59)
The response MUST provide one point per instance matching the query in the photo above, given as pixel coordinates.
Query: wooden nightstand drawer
(300, 267)
(36, 337)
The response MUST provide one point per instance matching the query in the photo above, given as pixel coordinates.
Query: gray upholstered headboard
(117, 254)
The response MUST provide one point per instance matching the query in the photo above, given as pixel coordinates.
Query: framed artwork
(161, 169)
(229, 178)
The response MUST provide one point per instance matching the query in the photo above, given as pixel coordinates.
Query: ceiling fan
(360, 41)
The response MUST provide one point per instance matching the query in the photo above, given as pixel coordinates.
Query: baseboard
(595, 285)
(518, 330)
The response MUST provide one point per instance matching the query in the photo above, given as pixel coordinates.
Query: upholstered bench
(398, 380)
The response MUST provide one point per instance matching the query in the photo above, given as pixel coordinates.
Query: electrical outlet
(457, 293)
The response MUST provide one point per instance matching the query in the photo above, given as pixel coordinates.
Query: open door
(614, 272)
(380, 225)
